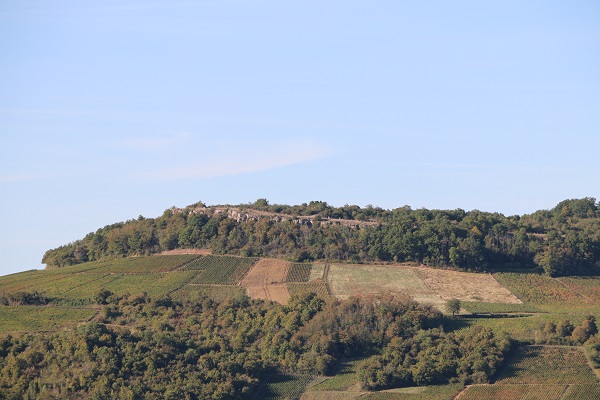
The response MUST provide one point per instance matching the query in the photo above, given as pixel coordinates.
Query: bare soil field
(465, 286)
(266, 280)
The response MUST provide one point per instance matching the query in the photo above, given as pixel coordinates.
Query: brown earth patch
(266, 280)
(465, 286)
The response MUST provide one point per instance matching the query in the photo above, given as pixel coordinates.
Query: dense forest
(139, 347)
(562, 241)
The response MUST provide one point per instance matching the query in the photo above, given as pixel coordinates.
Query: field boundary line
(178, 268)
(577, 294)
(86, 283)
(187, 282)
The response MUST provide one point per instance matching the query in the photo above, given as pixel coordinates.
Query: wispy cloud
(14, 178)
(244, 159)
(156, 143)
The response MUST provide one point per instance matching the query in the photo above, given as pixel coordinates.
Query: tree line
(562, 241)
(139, 347)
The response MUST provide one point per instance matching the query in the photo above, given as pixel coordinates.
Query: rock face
(249, 214)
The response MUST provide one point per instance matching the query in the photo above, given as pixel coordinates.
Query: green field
(343, 378)
(317, 287)
(281, 387)
(299, 272)
(550, 365)
(497, 308)
(32, 318)
(541, 373)
(219, 270)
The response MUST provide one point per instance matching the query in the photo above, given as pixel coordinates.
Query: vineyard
(30, 318)
(284, 387)
(219, 270)
(317, 287)
(547, 365)
(299, 272)
(532, 372)
(541, 372)
(537, 289)
(131, 265)
(587, 287)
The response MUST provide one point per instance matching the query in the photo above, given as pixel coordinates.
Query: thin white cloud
(156, 143)
(14, 178)
(244, 159)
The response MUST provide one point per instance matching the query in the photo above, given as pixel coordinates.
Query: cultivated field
(537, 289)
(35, 318)
(466, 286)
(350, 280)
(551, 365)
(586, 287)
(219, 270)
(541, 372)
(317, 287)
(425, 285)
(267, 280)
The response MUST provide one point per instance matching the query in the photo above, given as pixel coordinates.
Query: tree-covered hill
(562, 241)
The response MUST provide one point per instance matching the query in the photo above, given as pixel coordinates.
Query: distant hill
(562, 241)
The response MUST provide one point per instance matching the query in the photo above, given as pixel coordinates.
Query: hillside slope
(561, 241)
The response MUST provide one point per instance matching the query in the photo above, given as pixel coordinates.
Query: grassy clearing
(520, 327)
(465, 286)
(343, 379)
(31, 318)
(351, 280)
(493, 308)
(550, 365)
(317, 272)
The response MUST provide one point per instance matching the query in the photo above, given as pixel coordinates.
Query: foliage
(453, 306)
(435, 357)
(160, 347)
(562, 241)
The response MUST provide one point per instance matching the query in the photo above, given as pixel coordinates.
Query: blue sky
(113, 109)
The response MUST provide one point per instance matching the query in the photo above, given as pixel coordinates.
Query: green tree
(453, 306)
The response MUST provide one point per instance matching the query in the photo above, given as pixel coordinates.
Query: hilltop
(562, 241)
